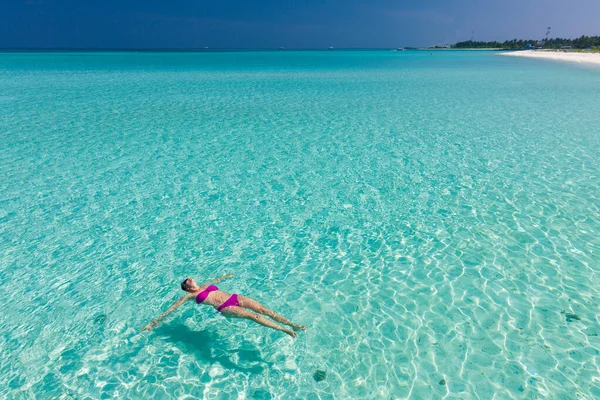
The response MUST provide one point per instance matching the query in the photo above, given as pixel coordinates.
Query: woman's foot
(291, 333)
(299, 327)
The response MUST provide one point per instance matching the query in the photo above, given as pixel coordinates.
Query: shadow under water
(209, 346)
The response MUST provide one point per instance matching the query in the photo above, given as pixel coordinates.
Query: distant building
(444, 46)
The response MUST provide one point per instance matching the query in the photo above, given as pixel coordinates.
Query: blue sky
(292, 24)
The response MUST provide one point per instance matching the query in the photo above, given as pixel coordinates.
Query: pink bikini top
(200, 297)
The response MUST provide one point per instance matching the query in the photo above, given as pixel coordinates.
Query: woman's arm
(174, 307)
(220, 279)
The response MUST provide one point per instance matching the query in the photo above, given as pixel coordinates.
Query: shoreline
(573, 57)
(462, 49)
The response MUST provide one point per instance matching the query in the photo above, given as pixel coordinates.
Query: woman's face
(190, 285)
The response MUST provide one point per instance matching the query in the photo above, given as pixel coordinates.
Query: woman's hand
(228, 276)
(179, 302)
(150, 326)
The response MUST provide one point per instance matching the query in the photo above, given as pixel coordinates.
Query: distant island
(583, 42)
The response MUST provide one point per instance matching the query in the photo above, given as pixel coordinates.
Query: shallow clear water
(434, 219)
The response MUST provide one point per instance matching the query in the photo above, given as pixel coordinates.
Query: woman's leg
(255, 306)
(239, 312)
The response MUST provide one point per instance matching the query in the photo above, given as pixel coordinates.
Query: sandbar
(578, 57)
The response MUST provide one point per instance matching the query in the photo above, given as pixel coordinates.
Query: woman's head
(189, 285)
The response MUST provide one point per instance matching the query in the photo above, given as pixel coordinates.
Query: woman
(230, 305)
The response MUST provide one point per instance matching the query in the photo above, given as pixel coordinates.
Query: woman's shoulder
(201, 289)
(189, 296)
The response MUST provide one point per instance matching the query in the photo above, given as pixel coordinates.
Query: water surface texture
(433, 218)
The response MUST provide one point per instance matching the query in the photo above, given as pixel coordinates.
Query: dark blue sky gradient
(292, 24)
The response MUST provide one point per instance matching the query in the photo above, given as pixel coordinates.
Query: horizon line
(205, 49)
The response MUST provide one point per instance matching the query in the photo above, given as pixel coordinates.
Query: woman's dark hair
(184, 284)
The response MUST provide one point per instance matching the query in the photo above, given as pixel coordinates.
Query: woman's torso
(215, 298)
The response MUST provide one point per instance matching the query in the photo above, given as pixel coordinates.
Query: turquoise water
(434, 219)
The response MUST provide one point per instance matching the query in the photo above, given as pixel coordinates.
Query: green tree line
(553, 43)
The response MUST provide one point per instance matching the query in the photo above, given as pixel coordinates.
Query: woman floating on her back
(230, 305)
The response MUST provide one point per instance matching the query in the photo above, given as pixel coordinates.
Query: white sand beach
(582, 58)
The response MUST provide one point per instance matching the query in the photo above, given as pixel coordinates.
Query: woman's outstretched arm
(174, 307)
(219, 279)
